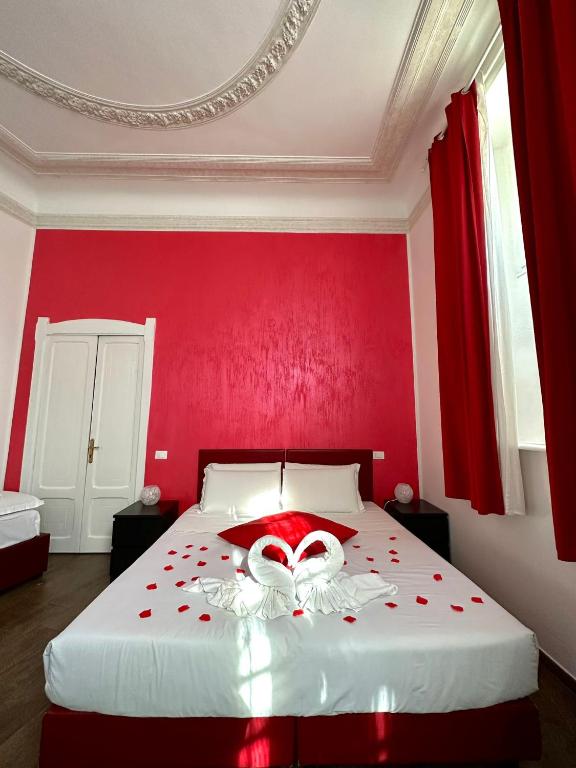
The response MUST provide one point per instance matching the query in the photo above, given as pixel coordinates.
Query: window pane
(527, 381)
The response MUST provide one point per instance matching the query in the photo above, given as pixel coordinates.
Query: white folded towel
(271, 593)
(320, 587)
(315, 583)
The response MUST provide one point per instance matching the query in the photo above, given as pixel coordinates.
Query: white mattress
(411, 658)
(19, 526)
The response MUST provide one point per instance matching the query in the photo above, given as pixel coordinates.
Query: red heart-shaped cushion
(289, 526)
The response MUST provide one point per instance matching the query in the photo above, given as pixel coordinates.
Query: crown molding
(220, 223)
(432, 38)
(289, 28)
(17, 210)
(434, 33)
(148, 222)
(423, 203)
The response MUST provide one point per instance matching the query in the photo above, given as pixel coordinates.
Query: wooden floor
(32, 614)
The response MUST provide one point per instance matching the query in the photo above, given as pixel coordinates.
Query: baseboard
(563, 674)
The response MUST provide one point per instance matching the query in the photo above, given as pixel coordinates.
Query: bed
(23, 549)
(439, 673)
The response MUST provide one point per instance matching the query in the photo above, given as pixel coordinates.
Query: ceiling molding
(16, 209)
(434, 33)
(220, 223)
(419, 208)
(193, 223)
(289, 28)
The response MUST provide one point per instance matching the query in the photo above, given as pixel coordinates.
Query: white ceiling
(355, 96)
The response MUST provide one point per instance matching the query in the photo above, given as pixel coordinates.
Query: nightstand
(424, 520)
(135, 529)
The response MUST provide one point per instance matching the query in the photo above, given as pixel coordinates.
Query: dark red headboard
(361, 456)
(235, 456)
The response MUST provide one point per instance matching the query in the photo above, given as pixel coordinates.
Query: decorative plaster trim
(16, 209)
(419, 208)
(434, 33)
(219, 223)
(432, 38)
(294, 18)
(202, 223)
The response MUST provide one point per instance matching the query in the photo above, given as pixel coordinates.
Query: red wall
(263, 340)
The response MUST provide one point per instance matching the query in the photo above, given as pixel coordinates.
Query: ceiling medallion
(287, 33)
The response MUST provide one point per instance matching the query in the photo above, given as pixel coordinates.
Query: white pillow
(330, 489)
(14, 501)
(295, 465)
(242, 493)
(270, 467)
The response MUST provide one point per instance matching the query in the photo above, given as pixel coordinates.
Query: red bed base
(505, 732)
(23, 561)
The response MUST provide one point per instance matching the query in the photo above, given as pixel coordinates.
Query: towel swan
(269, 594)
(315, 583)
(320, 585)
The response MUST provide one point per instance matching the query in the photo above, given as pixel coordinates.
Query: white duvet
(19, 526)
(145, 647)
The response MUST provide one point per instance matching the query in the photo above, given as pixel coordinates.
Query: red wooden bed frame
(23, 561)
(507, 732)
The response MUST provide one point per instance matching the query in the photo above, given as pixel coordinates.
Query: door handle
(91, 449)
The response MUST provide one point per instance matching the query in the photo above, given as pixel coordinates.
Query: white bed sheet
(411, 658)
(19, 526)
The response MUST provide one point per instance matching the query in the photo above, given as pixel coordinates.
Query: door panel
(110, 478)
(65, 404)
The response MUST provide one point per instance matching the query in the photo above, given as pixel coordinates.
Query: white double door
(86, 448)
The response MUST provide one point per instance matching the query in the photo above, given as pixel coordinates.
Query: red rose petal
(182, 608)
(392, 538)
(152, 586)
(205, 617)
(224, 557)
(189, 546)
(180, 583)
(201, 563)
(203, 549)
(349, 619)
(373, 570)
(172, 552)
(476, 599)
(185, 557)
(392, 552)
(356, 546)
(457, 608)
(370, 559)
(421, 600)
(297, 612)
(437, 577)
(168, 567)
(394, 560)
(240, 570)
(145, 614)
(391, 605)
(194, 578)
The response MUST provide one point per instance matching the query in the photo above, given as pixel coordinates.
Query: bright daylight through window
(525, 376)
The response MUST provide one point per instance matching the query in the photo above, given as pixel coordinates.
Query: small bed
(150, 675)
(23, 549)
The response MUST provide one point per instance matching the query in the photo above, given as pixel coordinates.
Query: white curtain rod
(495, 40)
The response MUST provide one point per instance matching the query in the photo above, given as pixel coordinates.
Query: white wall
(512, 558)
(16, 246)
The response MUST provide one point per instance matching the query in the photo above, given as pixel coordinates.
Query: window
(526, 381)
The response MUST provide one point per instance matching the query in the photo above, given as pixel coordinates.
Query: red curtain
(541, 61)
(471, 468)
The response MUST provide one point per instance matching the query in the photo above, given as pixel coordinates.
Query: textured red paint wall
(262, 340)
